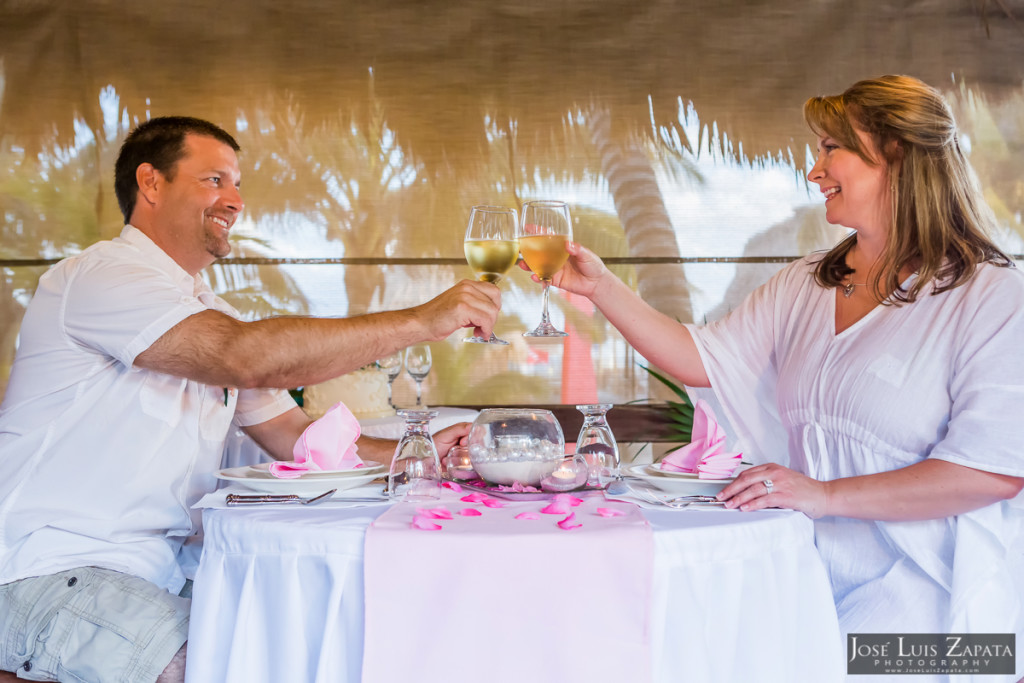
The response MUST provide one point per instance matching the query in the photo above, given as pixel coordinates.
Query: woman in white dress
(889, 373)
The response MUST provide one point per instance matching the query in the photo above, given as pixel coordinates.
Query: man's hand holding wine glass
(467, 304)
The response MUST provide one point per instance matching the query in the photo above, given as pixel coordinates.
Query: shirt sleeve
(987, 383)
(259, 405)
(120, 309)
(738, 352)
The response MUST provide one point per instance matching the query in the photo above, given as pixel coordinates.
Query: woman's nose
(817, 172)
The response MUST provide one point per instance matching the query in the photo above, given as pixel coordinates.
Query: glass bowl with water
(509, 445)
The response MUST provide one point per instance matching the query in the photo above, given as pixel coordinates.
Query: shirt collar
(191, 285)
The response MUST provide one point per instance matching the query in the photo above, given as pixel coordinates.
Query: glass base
(480, 340)
(545, 330)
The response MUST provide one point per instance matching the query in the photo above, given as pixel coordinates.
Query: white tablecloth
(736, 597)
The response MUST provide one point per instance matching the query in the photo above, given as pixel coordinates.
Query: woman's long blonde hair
(940, 221)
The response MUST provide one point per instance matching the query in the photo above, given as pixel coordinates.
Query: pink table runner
(494, 598)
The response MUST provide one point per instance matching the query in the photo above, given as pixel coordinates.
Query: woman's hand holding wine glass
(544, 230)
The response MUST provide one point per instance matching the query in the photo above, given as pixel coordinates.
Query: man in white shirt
(129, 374)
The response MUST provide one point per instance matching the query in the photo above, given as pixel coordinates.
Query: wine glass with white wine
(544, 229)
(491, 249)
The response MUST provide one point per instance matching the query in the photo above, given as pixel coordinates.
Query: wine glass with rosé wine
(544, 229)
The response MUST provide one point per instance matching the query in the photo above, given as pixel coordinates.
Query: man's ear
(149, 181)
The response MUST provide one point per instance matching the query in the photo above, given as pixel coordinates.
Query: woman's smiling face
(857, 194)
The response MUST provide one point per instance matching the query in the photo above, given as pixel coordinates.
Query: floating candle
(566, 477)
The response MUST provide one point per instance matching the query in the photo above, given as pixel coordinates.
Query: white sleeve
(259, 405)
(987, 385)
(121, 308)
(738, 353)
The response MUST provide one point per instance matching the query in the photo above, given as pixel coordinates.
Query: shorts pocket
(120, 629)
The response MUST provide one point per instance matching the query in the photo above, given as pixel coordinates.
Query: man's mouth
(221, 222)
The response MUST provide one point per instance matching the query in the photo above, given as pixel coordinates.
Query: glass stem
(544, 319)
(390, 402)
(419, 393)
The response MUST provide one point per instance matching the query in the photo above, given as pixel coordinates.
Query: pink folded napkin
(705, 454)
(327, 444)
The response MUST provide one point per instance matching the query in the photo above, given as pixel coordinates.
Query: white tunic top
(100, 462)
(940, 378)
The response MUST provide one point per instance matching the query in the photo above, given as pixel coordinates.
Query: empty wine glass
(544, 229)
(596, 444)
(415, 472)
(392, 367)
(491, 249)
(417, 364)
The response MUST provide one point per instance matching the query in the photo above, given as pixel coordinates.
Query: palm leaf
(680, 413)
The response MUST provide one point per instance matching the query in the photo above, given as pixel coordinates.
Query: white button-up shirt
(100, 461)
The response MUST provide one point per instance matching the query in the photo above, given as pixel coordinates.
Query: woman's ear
(894, 150)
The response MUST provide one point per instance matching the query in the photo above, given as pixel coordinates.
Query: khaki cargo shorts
(89, 624)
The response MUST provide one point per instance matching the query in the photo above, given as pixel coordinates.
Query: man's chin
(219, 250)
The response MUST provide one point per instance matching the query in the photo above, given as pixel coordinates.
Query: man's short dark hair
(160, 142)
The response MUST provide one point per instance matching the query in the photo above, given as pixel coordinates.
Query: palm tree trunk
(645, 219)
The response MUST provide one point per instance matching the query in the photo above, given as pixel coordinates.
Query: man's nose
(233, 199)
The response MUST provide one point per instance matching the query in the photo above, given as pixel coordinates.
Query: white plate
(264, 482)
(656, 471)
(687, 484)
(371, 467)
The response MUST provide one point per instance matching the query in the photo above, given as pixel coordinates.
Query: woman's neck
(864, 255)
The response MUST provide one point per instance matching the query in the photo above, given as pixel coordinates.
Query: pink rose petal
(516, 487)
(555, 508)
(610, 512)
(470, 512)
(567, 523)
(434, 513)
(567, 499)
(527, 515)
(419, 522)
(474, 498)
(452, 485)
(493, 503)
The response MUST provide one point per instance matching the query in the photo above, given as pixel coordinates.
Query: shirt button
(72, 581)
(27, 666)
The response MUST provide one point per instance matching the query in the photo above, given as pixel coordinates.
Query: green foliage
(680, 412)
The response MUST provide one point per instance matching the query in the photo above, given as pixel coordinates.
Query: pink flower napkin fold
(705, 454)
(327, 444)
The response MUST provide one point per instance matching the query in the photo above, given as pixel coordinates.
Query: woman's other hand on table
(451, 436)
(775, 486)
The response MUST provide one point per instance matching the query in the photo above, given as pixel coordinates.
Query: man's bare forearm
(214, 348)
